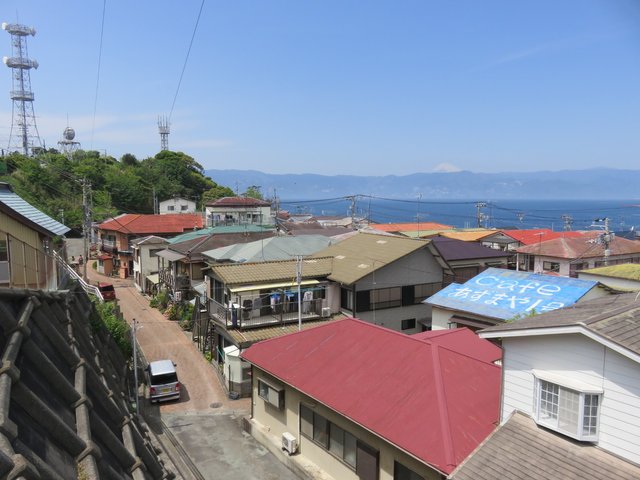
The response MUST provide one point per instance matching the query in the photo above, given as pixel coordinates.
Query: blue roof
(503, 294)
(24, 209)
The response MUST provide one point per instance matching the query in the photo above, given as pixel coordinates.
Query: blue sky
(341, 87)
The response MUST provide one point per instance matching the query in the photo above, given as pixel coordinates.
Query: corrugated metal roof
(437, 403)
(504, 294)
(238, 202)
(245, 338)
(22, 208)
(222, 229)
(537, 235)
(614, 317)
(262, 272)
(521, 450)
(463, 340)
(452, 249)
(359, 255)
(468, 236)
(274, 248)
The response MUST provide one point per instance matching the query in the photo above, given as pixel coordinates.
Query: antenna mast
(23, 120)
(164, 128)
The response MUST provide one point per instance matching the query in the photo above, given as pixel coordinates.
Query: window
(270, 394)
(568, 411)
(346, 299)
(425, 290)
(337, 441)
(400, 472)
(408, 324)
(184, 208)
(551, 266)
(170, 208)
(386, 298)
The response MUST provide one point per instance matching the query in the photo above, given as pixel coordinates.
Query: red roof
(238, 202)
(409, 227)
(137, 224)
(435, 401)
(585, 247)
(537, 235)
(465, 341)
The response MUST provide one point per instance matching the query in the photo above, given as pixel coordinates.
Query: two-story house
(383, 279)
(115, 235)
(177, 205)
(238, 211)
(26, 243)
(571, 396)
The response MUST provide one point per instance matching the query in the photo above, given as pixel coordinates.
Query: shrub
(117, 327)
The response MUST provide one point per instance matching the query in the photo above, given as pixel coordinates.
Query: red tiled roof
(409, 227)
(434, 401)
(584, 247)
(137, 224)
(238, 202)
(537, 235)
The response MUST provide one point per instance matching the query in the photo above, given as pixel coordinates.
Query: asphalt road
(205, 423)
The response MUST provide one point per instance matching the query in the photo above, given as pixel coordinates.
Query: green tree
(215, 193)
(253, 191)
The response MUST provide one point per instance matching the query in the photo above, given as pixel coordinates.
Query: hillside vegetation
(53, 183)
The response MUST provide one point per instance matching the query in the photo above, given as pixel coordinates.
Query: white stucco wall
(177, 204)
(580, 359)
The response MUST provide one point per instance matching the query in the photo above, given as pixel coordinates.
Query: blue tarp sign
(503, 294)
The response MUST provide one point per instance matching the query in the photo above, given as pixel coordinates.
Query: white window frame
(556, 397)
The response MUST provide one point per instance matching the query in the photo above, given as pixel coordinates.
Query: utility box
(289, 443)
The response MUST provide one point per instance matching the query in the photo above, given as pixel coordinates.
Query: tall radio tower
(24, 132)
(163, 128)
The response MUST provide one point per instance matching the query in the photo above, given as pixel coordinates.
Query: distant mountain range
(599, 183)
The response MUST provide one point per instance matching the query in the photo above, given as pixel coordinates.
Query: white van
(163, 381)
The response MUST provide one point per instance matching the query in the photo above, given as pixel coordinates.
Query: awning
(153, 278)
(170, 255)
(269, 286)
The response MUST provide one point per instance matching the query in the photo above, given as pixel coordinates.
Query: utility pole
(353, 210)
(134, 327)
(86, 224)
(299, 280)
(568, 221)
(606, 239)
(479, 215)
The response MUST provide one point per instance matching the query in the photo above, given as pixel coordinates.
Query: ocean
(623, 215)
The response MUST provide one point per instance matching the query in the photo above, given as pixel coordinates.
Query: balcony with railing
(254, 311)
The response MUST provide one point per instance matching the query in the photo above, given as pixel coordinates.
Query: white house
(239, 211)
(146, 264)
(576, 371)
(177, 205)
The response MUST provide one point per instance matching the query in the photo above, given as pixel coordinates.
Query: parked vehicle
(163, 381)
(107, 290)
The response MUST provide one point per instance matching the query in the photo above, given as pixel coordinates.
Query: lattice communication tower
(67, 144)
(164, 129)
(24, 132)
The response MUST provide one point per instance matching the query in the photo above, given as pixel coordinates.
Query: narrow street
(205, 424)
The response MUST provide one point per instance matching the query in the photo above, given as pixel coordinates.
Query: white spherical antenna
(69, 134)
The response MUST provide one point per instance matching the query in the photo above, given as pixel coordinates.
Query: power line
(184, 66)
(95, 99)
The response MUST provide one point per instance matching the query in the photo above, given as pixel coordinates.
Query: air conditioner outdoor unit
(326, 312)
(289, 443)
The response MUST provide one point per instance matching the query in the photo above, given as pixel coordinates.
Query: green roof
(251, 228)
(628, 271)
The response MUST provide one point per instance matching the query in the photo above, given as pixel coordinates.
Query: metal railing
(69, 270)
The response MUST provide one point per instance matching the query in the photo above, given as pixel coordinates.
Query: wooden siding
(578, 359)
(20, 231)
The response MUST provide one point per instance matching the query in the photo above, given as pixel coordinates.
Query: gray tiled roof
(520, 450)
(24, 209)
(613, 317)
(65, 413)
